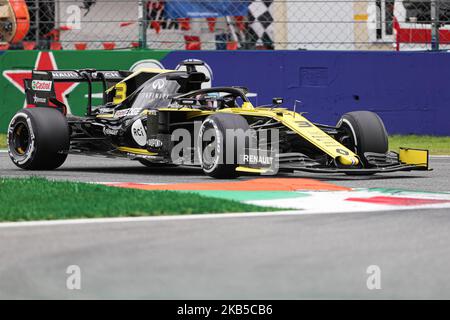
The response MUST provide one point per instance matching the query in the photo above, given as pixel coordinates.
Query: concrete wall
(409, 90)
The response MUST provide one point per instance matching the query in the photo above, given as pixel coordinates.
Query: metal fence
(239, 24)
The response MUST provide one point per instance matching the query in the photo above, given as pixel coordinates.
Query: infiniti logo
(159, 84)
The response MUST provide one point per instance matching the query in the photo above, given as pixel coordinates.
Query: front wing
(407, 159)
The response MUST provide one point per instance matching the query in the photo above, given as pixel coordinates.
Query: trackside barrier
(409, 90)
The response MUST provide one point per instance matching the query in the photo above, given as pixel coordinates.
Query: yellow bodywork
(139, 71)
(251, 170)
(416, 157)
(294, 121)
(121, 87)
(137, 151)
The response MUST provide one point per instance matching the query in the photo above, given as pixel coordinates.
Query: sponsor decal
(36, 99)
(41, 85)
(108, 74)
(154, 95)
(257, 159)
(76, 75)
(121, 113)
(104, 110)
(65, 74)
(110, 132)
(341, 151)
(154, 143)
(134, 112)
(158, 84)
(127, 112)
(138, 132)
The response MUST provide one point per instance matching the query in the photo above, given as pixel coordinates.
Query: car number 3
(121, 92)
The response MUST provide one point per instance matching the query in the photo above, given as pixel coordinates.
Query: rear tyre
(214, 145)
(363, 131)
(38, 139)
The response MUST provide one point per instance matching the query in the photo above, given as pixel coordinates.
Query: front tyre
(38, 139)
(221, 142)
(363, 132)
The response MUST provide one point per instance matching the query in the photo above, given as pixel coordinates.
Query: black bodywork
(155, 102)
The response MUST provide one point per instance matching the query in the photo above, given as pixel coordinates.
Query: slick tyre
(364, 131)
(38, 139)
(221, 143)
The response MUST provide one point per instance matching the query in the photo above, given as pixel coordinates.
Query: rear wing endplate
(40, 89)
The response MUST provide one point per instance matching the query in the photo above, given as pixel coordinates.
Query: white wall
(323, 12)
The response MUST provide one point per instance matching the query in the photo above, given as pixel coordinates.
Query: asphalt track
(309, 256)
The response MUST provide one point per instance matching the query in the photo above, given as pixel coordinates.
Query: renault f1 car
(158, 116)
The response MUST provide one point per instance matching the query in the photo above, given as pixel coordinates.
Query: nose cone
(348, 160)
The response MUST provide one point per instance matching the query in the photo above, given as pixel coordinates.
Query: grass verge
(436, 145)
(40, 199)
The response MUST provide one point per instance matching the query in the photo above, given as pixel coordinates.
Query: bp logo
(41, 85)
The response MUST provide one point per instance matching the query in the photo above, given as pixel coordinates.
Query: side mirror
(277, 101)
(186, 102)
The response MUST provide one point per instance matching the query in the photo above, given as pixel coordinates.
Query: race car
(165, 117)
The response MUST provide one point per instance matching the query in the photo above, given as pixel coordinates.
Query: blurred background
(236, 25)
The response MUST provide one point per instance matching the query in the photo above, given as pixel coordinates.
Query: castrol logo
(41, 85)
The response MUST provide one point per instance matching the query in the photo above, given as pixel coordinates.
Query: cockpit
(156, 89)
(213, 98)
(178, 89)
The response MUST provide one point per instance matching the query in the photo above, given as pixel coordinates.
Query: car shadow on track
(195, 171)
(336, 177)
(162, 171)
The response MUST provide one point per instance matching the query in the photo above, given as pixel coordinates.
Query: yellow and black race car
(160, 116)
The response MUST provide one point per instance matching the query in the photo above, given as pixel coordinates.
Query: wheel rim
(20, 139)
(348, 138)
(209, 154)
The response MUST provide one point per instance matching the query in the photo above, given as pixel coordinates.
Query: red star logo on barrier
(44, 61)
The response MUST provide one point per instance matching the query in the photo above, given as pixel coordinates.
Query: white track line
(85, 221)
(146, 218)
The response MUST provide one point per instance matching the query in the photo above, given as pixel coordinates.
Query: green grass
(40, 199)
(2, 140)
(436, 145)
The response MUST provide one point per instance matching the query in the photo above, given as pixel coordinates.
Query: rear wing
(40, 89)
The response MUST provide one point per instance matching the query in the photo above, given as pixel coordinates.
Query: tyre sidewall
(49, 133)
(211, 123)
(220, 123)
(368, 132)
(24, 160)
